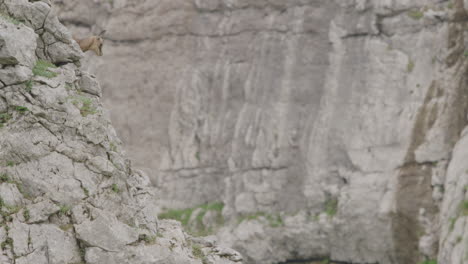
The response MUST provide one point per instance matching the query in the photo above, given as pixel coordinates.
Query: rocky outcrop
(339, 117)
(67, 192)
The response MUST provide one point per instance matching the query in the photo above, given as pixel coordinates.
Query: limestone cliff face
(339, 116)
(67, 192)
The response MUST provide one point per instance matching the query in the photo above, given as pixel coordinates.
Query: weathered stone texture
(67, 192)
(340, 116)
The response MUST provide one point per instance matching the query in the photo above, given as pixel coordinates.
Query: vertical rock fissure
(414, 178)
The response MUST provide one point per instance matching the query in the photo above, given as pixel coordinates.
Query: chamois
(93, 43)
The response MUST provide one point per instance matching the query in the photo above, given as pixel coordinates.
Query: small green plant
(325, 261)
(42, 69)
(5, 117)
(10, 19)
(28, 86)
(87, 108)
(10, 163)
(113, 147)
(64, 209)
(8, 242)
(275, 220)
(26, 215)
(452, 220)
(66, 227)
(331, 207)
(415, 14)
(21, 109)
(86, 191)
(68, 86)
(115, 188)
(4, 178)
(150, 240)
(198, 253)
(10, 210)
(184, 215)
(410, 66)
(464, 208)
(450, 5)
(85, 104)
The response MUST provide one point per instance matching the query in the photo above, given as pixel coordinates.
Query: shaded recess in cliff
(446, 103)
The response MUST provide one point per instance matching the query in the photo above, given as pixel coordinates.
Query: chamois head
(94, 43)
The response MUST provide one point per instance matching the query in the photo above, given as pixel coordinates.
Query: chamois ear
(102, 33)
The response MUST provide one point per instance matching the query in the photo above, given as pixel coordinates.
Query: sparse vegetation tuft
(66, 227)
(410, 66)
(21, 109)
(42, 69)
(4, 118)
(150, 240)
(8, 242)
(452, 220)
(199, 228)
(64, 209)
(85, 105)
(464, 208)
(115, 188)
(10, 19)
(29, 85)
(26, 214)
(4, 178)
(198, 253)
(331, 207)
(415, 14)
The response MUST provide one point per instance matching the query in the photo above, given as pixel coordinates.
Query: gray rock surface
(67, 192)
(339, 116)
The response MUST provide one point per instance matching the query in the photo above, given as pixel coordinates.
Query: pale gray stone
(19, 233)
(41, 211)
(101, 165)
(36, 257)
(106, 232)
(17, 44)
(90, 85)
(10, 195)
(15, 74)
(59, 246)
